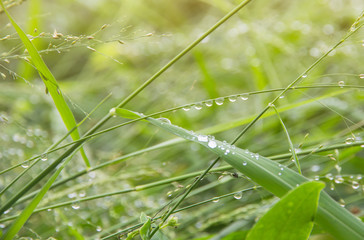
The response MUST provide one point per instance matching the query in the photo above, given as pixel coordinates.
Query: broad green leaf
(275, 178)
(50, 83)
(290, 218)
(146, 229)
(27, 212)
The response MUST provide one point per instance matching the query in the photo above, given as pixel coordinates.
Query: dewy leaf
(277, 179)
(50, 83)
(292, 217)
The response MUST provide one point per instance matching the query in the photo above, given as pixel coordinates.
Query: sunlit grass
(218, 88)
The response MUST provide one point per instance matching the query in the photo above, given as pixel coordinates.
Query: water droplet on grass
(25, 164)
(349, 140)
(233, 98)
(279, 174)
(355, 185)
(187, 108)
(281, 96)
(165, 120)
(98, 229)
(245, 163)
(219, 101)
(212, 144)
(216, 200)
(361, 76)
(304, 76)
(341, 84)
(202, 138)
(238, 195)
(75, 205)
(244, 97)
(208, 103)
(44, 157)
(329, 176)
(339, 179)
(198, 106)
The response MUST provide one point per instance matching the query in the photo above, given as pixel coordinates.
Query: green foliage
(279, 78)
(292, 217)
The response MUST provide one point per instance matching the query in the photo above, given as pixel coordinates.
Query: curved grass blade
(295, 212)
(276, 178)
(50, 83)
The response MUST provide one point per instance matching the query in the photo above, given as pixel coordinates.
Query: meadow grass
(286, 85)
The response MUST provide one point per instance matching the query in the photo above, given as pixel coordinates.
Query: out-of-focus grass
(267, 45)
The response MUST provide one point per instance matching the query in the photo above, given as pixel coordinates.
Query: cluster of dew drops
(218, 101)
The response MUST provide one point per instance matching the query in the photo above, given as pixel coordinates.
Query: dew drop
(245, 163)
(279, 174)
(361, 76)
(281, 96)
(215, 200)
(208, 103)
(98, 228)
(355, 185)
(44, 157)
(304, 76)
(25, 164)
(233, 98)
(82, 193)
(316, 178)
(238, 195)
(198, 106)
(226, 152)
(202, 138)
(244, 97)
(75, 205)
(220, 177)
(339, 179)
(349, 140)
(341, 84)
(212, 144)
(329, 176)
(165, 120)
(169, 194)
(219, 101)
(187, 108)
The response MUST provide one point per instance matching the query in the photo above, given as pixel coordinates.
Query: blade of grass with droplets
(295, 211)
(28, 211)
(50, 83)
(276, 178)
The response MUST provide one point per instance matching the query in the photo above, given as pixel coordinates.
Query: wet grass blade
(28, 211)
(50, 83)
(292, 217)
(276, 178)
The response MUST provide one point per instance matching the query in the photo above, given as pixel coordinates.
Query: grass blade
(50, 83)
(295, 211)
(276, 178)
(27, 212)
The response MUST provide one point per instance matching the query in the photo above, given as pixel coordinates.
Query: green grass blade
(27, 212)
(277, 179)
(295, 212)
(50, 83)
